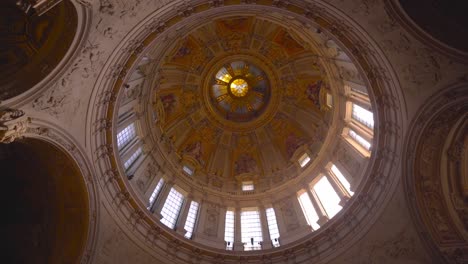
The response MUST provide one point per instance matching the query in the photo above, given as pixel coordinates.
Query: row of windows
(321, 200)
(322, 194)
(251, 228)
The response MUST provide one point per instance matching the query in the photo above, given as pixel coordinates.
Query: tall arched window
(155, 193)
(229, 229)
(308, 210)
(126, 135)
(328, 197)
(171, 209)
(272, 226)
(251, 229)
(191, 218)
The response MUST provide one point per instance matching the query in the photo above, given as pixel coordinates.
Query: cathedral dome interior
(241, 106)
(234, 131)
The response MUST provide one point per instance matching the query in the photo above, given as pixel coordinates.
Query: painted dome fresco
(237, 115)
(239, 99)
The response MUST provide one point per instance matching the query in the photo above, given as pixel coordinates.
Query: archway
(33, 45)
(435, 174)
(46, 204)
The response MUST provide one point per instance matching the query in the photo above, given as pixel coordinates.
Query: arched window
(191, 218)
(308, 210)
(272, 226)
(360, 140)
(131, 160)
(229, 230)
(328, 197)
(126, 135)
(248, 186)
(341, 178)
(251, 229)
(171, 209)
(155, 193)
(363, 116)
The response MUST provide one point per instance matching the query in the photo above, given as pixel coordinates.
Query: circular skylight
(240, 91)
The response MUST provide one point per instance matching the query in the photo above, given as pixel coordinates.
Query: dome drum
(188, 121)
(247, 129)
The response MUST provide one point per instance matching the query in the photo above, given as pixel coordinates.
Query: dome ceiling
(239, 98)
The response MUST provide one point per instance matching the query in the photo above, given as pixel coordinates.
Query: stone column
(349, 177)
(338, 187)
(222, 222)
(158, 205)
(322, 215)
(201, 218)
(183, 215)
(238, 245)
(279, 219)
(265, 231)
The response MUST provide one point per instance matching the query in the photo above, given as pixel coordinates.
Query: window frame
(251, 228)
(176, 198)
(130, 139)
(191, 220)
(227, 228)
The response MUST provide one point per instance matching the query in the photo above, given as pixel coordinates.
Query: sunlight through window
(328, 197)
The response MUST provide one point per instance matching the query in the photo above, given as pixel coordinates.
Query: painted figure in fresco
(169, 103)
(288, 42)
(313, 91)
(244, 164)
(292, 143)
(183, 51)
(195, 150)
(235, 25)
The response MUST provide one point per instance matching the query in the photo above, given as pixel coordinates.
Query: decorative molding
(432, 205)
(367, 204)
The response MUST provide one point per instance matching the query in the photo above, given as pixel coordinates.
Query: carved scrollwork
(430, 200)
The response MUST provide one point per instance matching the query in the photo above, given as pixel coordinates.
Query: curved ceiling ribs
(302, 86)
(371, 196)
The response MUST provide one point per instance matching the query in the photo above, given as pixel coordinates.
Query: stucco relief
(426, 178)
(347, 158)
(211, 220)
(115, 247)
(289, 215)
(147, 177)
(57, 100)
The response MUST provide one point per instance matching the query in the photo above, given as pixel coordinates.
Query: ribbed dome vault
(245, 110)
(245, 136)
